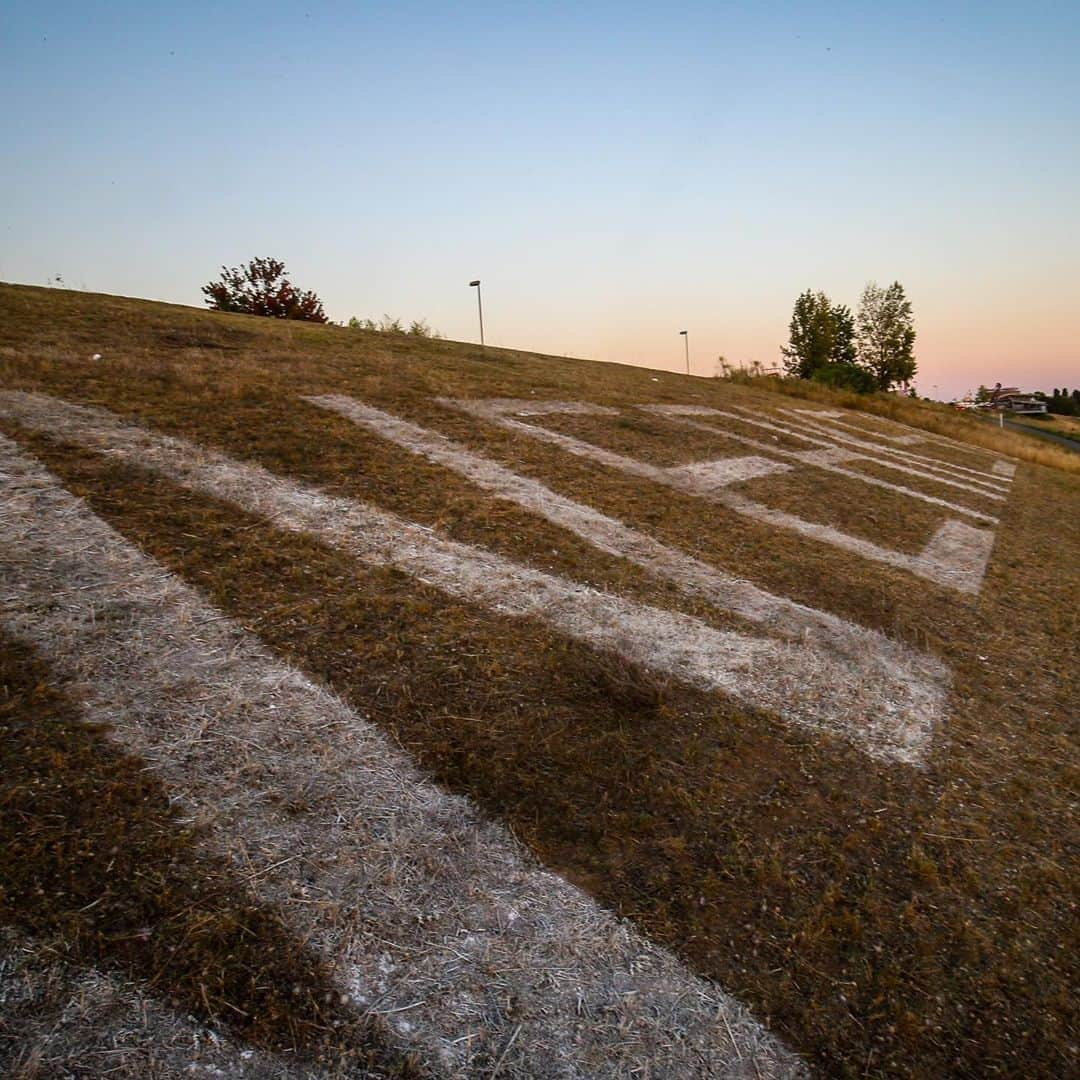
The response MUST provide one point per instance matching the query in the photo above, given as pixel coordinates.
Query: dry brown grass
(887, 921)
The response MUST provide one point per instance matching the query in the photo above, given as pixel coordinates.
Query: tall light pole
(686, 341)
(479, 307)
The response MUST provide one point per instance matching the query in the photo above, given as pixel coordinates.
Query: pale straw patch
(828, 458)
(1003, 465)
(683, 478)
(705, 477)
(836, 418)
(963, 577)
(862, 650)
(976, 479)
(58, 1020)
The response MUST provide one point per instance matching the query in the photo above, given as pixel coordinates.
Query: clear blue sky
(613, 172)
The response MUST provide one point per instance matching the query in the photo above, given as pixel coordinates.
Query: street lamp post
(479, 307)
(686, 341)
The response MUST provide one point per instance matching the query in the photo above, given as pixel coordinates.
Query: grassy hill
(789, 684)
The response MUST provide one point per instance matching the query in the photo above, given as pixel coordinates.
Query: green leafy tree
(886, 335)
(843, 349)
(261, 288)
(811, 335)
(820, 333)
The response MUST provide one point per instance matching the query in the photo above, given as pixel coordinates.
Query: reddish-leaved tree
(261, 288)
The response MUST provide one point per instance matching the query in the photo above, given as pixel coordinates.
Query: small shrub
(261, 288)
(388, 325)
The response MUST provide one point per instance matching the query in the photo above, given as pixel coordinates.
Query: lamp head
(476, 282)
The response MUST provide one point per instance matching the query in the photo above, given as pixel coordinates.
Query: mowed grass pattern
(885, 920)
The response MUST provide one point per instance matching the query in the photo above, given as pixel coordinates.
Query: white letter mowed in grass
(888, 704)
(430, 916)
(956, 557)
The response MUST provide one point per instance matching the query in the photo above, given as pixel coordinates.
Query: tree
(821, 333)
(886, 335)
(1064, 403)
(261, 288)
(812, 334)
(843, 350)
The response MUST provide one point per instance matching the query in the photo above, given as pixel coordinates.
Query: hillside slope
(337, 619)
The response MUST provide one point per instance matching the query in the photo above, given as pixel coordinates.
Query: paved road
(1069, 444)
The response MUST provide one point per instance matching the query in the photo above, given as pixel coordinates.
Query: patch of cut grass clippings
(979, 497)
(497, 712)
(938, 457)
(899, 465)
(722, 483)
(732, 425)
(691, 575)
(638, 435)
(969, 436)
(841, 460)
(102, 868)
(58, 1018)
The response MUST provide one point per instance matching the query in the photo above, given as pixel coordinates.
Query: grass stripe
(889, 712)
(960, 564)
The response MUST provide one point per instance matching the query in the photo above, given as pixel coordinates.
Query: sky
(612, 172)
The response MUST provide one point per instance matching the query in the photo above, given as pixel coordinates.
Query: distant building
(1005, 399)
(1011, 399)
